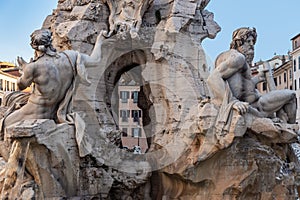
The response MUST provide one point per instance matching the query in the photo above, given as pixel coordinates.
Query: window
(1, 84)
(124, 96)
(136, 132)
(135, 96)
(299, 83)
(7, 86)
(284, 77)
(124, 132)
(124, 114)
(291, 75)
(294, 65)
(275, 80)
(264, 86)
(299, 62)
(136, 114)
(295, 84)
(279, 80)
(13, 87)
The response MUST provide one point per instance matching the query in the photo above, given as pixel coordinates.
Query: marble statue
(233, 68)
(211, 135)
(52, 75)
(236, 105)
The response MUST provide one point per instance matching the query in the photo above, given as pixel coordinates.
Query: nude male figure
(52, 74)
(232, 66)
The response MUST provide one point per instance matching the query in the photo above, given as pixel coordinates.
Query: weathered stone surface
(30, 128)
(93, 180)
(51, 156)
(86, 12)
(184, 8)
(195, 152)
(79, 30)
(173, 66)
(275, 132)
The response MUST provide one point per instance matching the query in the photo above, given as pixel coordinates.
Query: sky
(276, 23)
(18, 19)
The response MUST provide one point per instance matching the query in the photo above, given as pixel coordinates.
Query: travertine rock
(49, 154)
(194, 153)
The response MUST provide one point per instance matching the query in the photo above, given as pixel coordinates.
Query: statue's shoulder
(233, 55)
(70, 55)
(227, 53)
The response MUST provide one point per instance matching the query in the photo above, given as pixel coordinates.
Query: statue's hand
(241, 107)
(22, 63)
(104, 39)
(102, 35)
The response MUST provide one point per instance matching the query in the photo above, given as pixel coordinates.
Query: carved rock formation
(191, 156)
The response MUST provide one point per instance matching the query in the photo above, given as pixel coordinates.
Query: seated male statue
(232, 67)
(52, 74)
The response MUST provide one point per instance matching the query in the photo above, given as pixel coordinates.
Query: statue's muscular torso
(52, 77)
(238, 74)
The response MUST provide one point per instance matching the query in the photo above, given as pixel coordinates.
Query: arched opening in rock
(127, 99)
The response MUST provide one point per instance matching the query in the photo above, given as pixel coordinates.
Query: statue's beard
(249, 56)
(248, 52)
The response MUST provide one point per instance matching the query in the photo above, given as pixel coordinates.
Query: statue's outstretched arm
(94, 59)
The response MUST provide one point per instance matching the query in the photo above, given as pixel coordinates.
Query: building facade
(8, 78)
(286, 72)
(281, 71)
(295, 57)
(130, 118)
(283, 76)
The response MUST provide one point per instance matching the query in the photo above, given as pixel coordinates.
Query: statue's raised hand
(22, 63)
(102, 35)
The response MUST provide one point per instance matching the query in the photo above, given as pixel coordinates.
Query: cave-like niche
(127, 99)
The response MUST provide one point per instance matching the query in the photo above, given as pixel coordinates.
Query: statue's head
(243, 40)
(41, 40)
(240, 36)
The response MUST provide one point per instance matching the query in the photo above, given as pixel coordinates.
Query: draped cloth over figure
(15, 100)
